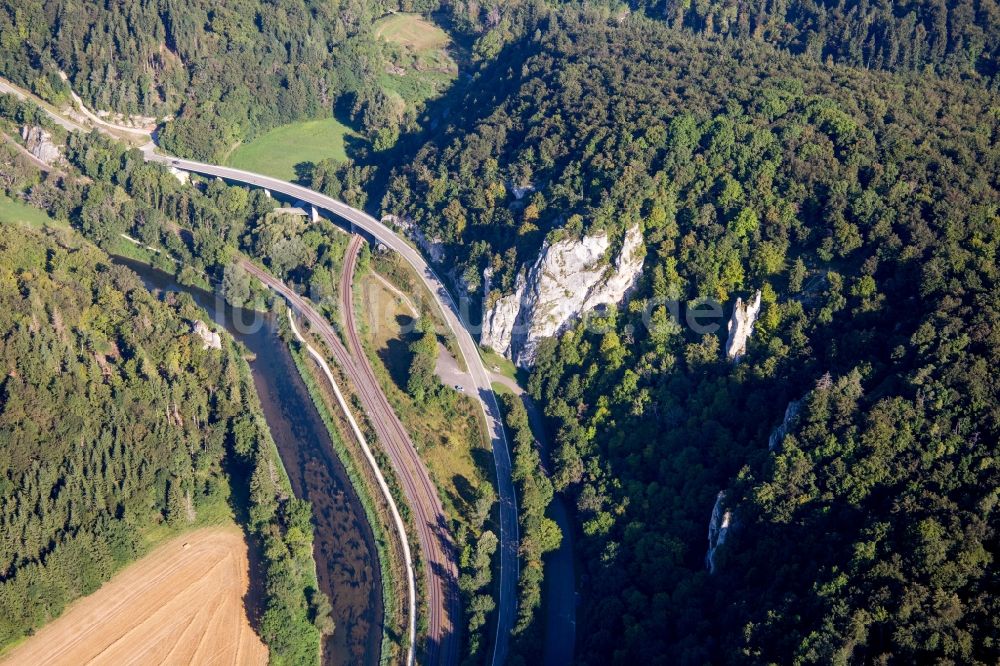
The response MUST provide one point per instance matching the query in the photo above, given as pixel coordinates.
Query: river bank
(390, 558)
(345, 549)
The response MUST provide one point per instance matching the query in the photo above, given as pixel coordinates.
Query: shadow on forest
(304, 172)
(461, 104)
(465, 498)
(356, 147)
(255, 599)
(396, 355)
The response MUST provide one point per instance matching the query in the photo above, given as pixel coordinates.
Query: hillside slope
(953, 37)
(863, 207)
(121, 424)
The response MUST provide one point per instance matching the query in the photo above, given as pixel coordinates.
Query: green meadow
(278, 151)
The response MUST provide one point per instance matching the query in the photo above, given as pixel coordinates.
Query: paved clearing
(181, 604)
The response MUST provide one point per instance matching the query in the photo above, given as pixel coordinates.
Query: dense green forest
(538, 534)
(864, 205)
(958, 37)
(116, 418)
(841, 158)
(226, 70)
(107, 424)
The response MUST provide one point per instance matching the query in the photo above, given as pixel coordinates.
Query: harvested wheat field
(181, 604)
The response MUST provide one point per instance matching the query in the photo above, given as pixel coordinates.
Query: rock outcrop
(183, 177)
(778, 434)
(741, 326)
(520, 191)
(39, 143)
(718, 528)
(432, 247)
(500, 318)
(210, 339)
(569, 278)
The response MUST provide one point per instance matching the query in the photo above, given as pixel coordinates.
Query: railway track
(438, 553)
(447, 644)
(404, 455)
(507, 574)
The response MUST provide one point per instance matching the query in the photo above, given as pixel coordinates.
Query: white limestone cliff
(182, 176)
(39, 143)
(499, 319)
(520, 191)
(778, 434)
(210, 339)
(569, 278)
(718, 528)
(741, 326)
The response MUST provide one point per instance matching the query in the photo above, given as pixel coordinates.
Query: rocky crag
(569, 278)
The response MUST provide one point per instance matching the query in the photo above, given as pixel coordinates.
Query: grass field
(411, 30)
(277, 152)
(494, 362)
(499, 388)
(17, 212)
(420, 51)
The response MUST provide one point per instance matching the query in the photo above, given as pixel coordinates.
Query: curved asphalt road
(487, 399)
(470, 353)
(9, 88)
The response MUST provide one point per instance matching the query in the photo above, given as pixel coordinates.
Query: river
(344, 547)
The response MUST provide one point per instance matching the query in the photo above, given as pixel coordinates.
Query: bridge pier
(314, 213)
(267, 192)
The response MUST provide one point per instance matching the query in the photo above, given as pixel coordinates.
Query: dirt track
(181, 604)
